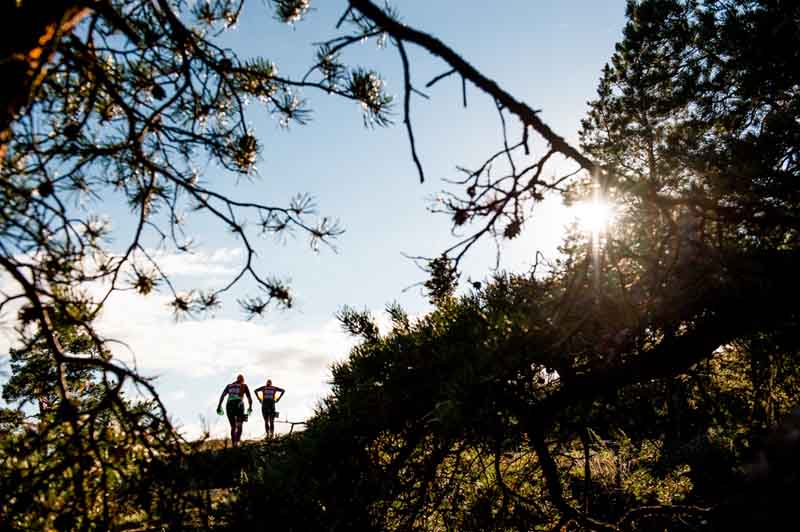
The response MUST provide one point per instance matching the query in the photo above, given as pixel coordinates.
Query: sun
(592, 216)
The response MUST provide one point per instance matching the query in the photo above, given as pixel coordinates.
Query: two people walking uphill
(236, 392)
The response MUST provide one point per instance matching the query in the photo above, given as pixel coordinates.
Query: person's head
(240, 379)
(269, 382)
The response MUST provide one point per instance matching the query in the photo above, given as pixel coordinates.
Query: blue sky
(548, 53)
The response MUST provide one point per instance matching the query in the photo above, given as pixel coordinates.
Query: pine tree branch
(526, 114)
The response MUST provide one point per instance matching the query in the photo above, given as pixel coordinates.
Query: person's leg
(236, 415)
(238, 432)
(232, 420)
(268, 411)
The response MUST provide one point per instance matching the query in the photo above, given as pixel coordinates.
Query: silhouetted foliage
(634, 386)
(84, 463)
(638, 384)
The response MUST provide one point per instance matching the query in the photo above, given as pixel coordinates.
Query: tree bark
(29, 35)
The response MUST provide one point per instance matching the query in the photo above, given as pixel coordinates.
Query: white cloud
(223, 261)
(8, 322)
(154, 342)
(7, 336)
(176, 395)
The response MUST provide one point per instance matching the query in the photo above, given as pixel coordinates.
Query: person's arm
(221, 397)
(260, 389)
(249, 398)
(282, 391)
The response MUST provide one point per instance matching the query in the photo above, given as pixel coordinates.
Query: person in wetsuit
(236, 392)
(269, 396)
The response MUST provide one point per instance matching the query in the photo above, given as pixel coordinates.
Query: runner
(236, 391)
(269, 396)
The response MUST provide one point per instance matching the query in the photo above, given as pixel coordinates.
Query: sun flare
(593, 216)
